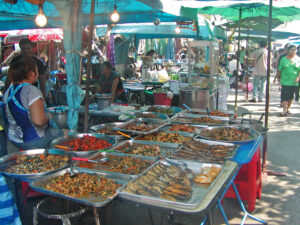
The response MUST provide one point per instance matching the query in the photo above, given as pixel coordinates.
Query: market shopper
(27, 50)
(289, 75)
(260, 57)
(28, 124)
(111, 83)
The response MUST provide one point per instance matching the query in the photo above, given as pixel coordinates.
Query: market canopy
(149, 31)
(275, 34)
(231, 12)
(21, 15)
(253, 23)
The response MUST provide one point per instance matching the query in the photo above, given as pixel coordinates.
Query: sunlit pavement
(280, 200)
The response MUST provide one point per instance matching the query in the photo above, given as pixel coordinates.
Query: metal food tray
(173, 108)
(190, 113)
(255, 134)
(157, 123)
(166, 128)
(140, 138)
(8, 160)
(234, 148)
(166, 148)
(202, 195)
(189, 120)
(95, 128)
(160, 116)
(123, 175)
(95, 201)
(107, 138)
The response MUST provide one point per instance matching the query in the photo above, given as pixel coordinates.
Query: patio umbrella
(254, 23)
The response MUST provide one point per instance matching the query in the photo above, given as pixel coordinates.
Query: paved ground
(279, 203)
(280, 196)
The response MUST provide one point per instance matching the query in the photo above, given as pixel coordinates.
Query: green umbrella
(231, 12)
(253, 23)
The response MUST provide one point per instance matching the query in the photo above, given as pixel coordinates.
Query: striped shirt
(9, 214)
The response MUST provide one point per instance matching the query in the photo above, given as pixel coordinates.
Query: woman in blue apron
(111, 83)
(28, 124)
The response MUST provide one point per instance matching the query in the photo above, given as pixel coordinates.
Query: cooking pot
(103, 100)
(251, 123)
(60, 116)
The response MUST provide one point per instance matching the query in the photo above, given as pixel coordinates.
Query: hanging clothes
(111, 50)
(170, 49)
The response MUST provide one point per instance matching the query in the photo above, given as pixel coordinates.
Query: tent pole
(247, 64)
(237, 65)
(89, 67)
(265, 145)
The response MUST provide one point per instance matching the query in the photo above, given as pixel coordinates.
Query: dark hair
(108, 65)
(24, 41)
(19, 70)
(286, 45)
(263, 44)
(291, 46)
(150, 53)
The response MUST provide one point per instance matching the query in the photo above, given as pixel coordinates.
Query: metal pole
(265, 147)
(247, 63)
(89, 67)
(237, 66)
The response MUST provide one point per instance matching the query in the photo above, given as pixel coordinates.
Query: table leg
(244, 209)
(97, 221)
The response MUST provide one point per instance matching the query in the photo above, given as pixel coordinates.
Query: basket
(162, 99)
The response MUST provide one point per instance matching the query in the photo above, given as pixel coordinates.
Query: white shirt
(260, 61)
(232, 65)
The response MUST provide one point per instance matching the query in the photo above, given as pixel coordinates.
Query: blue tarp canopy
(22, 14)
(275, 34)
(149, 31)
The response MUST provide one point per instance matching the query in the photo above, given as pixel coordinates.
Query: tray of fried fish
(171, 184)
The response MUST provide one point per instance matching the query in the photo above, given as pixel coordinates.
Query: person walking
(260, 70)
(289, 75)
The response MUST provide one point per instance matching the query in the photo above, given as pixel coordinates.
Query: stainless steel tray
(158, 124)
(188, 120)
(140, 138)
(192, 113)
(173, 108)
(233, 149)
(140, 114)
(8, 160)
(95, 128)
(254, 134)
(95, 201)
(61, 140)
(166, 128)
(166, 148)
(104, 170)
(199, 193)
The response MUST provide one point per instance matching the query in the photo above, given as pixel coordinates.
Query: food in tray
(142, 127)
(227, 134)
(120, 164)
(207, 175)
(140, 149)
(195, 150)
(207, 120)
(165, 137)
(213, 113)
(162, 181)
(183, 128)
(40, 163)
(163, 110)
(82, 185)
(86, 143)
(199, 120)
(107, 130)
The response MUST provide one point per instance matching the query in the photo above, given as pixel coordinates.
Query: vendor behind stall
(28, 124)
(111, 83)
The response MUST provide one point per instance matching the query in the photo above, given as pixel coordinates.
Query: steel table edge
(246, 151)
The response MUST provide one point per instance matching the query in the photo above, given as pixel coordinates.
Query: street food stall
(182, 163)
(203, 65)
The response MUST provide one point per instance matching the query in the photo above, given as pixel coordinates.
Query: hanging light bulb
(177, 30)
(41, 19)
(115, 16)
